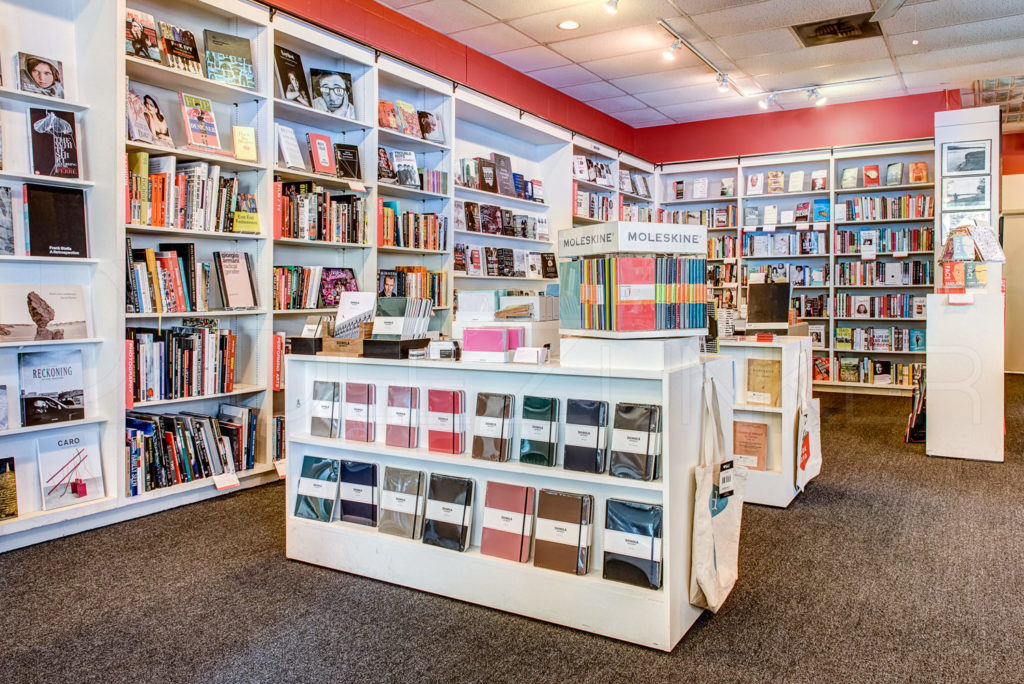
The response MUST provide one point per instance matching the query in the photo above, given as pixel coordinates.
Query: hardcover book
(563, 531)
(492, 429)
(346, 160)
(321, 153)
(179, 49)
(244, 139)
(632, 543)
(755, 184)
(357, 493)
(750, 444)
(849, 178)
(820, 209)
(288, 145)
(8, 485)
(70, 468)
(871, 178)
(332, 92)
(41, 75)
(229, 59)
(490, 219)
(408, 119)
(894, 173)
(764, 381)
(507, 530)
(55, 224)
(431, 127)
(200, 123)
(819, 179)
(52, 387)
(140, 35)
(585, 435)
(402, 498)
(796, 181)
(317, 489)
(235, 278)
(503, 171)
(488, 175)
(473, 218)
(728, 187)
(636, 441)
(291, 77)
(538, 443)
(360, 421)
(445, 429)
(54, 143)
(776, 182)
(30, 312)
(325, 409)
(449, 512)
(406, 168)
(402, 428)
(385, 170)
(386, 115)
(919, 172)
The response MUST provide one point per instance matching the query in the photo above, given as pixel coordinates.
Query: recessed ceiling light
(569, 25)
(915, 41)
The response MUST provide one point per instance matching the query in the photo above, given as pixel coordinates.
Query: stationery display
(636, 441)
(492, 429)
(508, 521)
(564, 531)
(445, 421)
(632, 543)
(357, 493)
(539, 439)
(402, 499)
(449, 512)
(585, 435)
(325, 409)
(317, 490)
(402, 427)
(360, 422)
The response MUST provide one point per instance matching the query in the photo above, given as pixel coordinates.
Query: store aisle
(891, 566)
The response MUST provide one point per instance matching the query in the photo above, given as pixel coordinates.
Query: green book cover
(539, 443)
(569, 294)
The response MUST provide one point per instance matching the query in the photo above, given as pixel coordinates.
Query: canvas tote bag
(714, 550)
(808, 431)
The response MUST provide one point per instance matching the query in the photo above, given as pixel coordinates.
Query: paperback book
(431, 127)
(346, 160)
(200, 123)
(408, 119)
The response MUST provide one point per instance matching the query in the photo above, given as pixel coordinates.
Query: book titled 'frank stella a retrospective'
(508, 521)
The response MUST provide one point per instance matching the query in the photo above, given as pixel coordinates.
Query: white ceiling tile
(939, 13)
(531, 58)
(614, 43)
(1006, 28)
(593, 19)
(399, 4)
(647, 116)
(953, 57)
(681, 78)
(692, 7)
(641, 63)
(592, 91)
(493, 38)
(697, 93)
(613, 105)
(563, 76)
(505, 10)
(775, 14)
(822, 56)
(691, 110)
(758, 43)
(962, 76)
(448, 16)
(832, 74)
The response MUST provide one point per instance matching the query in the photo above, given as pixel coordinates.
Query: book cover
(357, 493)
(728, 187)
(871, 177)
(402, 426)
(821, 210)
(819, 179)
(894, 173)
(387, 117)
(881, 372)
(796, 181)
(200, 123)
(538, 443)
(751, 216)
(849, 370)
(679, 189)
(632, 543)
(844, 338)
(473, 217)
(488, 175)
(54, 143)
(332, 92)
(52, 387)
(4, 410)
(849, 177)
(507, 528)
(503, 171)
(776, 182)
(919, 172)
(490, 219)
(700, 188)
(360, 418)
(238, 289)
(140, 35)
(385, 170)
(244, 139)
(817, 334)
(563, 531)
(179, 49)
(288, 145)
(771, 214)
(317, 489)
(406, 168)
(70, 468)
(402, 498)
(917, 339)
(408, 119)
(755, 184)
(492, 428)
(8, 485)
(764, 381)
(803, 212)
(321, 153)
(636, 441)
(291, 76)
(42, 312)
(346, 160)
(860, 306)
(549, 266)
(334, 282)
(229, 59)
(449, 512)
(41, 75)
(750, 444)
(325, 409)
(585, 435)
(431, 127)
(55, 224)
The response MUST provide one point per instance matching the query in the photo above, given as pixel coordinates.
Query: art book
(179, 49)
(755, 184)
(42, 312)
(894, 173)
(321, 153)
(200, 123)
(291, 77)
(386, 116)
(135, 116)
(385, 170)
(140, 35)
(346, 160)
(288, 146)
(332, 92)
(52, 387)
(41, 75)
(871, 177)
(336, 281)
(406, 168)
(54, 221)
(408, 119)
(70, 468)
(430, 126)
(229, 59)
(819, 179)
(235, 278)
(54, 143)
(919, 172)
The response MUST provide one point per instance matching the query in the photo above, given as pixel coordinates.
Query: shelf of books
(635, 182)
(595, 169)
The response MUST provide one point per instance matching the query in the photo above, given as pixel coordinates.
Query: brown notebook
(492, 429)
(563, 531)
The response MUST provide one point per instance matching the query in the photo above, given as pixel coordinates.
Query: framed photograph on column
(966, 158)
(961, 193)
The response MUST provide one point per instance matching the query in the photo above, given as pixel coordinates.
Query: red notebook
(359, 418)
(634, 296)
(403, 416)
(508, 521)
(445, 409)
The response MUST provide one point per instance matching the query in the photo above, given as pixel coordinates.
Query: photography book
(40, 75)
(42, 312)
(332, 92)
(70, 468)
(291, 77)
(229, 59)
(346, 159)
(54, 143)
(52, 387)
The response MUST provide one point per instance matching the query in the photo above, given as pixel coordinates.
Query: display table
(654, 618)
(776, 484)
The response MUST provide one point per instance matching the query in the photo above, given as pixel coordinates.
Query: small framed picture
(961, 193)
(965, 158)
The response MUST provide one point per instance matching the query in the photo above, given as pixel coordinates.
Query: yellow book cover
(246, 222)
(245, 142)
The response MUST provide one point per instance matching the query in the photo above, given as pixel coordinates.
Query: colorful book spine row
(883, 306)
(192, 360)
(397, 228)
(797, 274)
(168, 279)
(809, 306)
(720, 274)
(722, 217)
(803, 243)
(416, 282)
(875, 208)
(875, 371)
(890, 240)
(434, 181)
(884, 273)
(721, 248)
(637, 212)
(874, 338)
(593, 205)
(297, 287)
(306, 211)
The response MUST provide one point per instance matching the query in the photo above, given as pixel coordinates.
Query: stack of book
(593, 205)
(415, 282)
(721, 247)
(496, 175)
(884, 306)
(884, 273)
(310, 287)
(194, 359)
(170, 280)
(888, 240)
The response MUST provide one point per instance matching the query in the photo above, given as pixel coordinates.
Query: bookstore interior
(312, 246)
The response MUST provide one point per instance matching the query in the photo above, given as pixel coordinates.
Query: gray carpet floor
(891, 567)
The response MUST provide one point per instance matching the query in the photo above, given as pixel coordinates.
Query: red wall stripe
(1013, 153)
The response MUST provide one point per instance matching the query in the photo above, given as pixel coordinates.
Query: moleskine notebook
(317, 489)
(359, 419)
(636, 441)
(539, 439)
(632, 543)
(563, 531)
(492, 429)
(585, 435)
(449, 513)
(357, 499)
(403, 416)
(401, 502)
(445, 432)
(508, 521)
(326, 409)
(634, 296)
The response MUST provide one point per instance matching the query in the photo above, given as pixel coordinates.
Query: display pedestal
(642, 354)
(657, 619)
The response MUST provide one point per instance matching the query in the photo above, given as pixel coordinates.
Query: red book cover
(359, 418)
(508, 521)
(169, 440)
(229, 369)
(277, 351)
(403, 416)
(170, 282)
(871, 175)
(634, 295)
(321, 153)
(445, 433)
(129, 374)
(278, 208)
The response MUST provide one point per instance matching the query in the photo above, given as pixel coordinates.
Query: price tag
(356, 186)
(723, 473)
(225, 481)
(962, 298)
(749, 229)
(802, 226)
(769, 228)
(820, 226)
(282, 468)
(729, 260)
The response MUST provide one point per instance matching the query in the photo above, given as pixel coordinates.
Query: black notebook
(632, 543)
(357, 499)
(448, 517)
(636, 441)
(585, 435)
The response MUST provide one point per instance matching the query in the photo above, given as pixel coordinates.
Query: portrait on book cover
(332, 92)
(41, 75)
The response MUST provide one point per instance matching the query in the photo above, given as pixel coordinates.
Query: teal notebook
(569, 294)
(539, 442)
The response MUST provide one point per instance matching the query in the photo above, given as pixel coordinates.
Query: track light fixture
(816, 97)
(723, 83)
(611, 6)
(767, 101)
(670, 52)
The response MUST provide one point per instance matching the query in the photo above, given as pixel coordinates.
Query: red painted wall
(1013, 153)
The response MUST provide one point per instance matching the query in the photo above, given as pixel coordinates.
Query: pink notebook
(359, 418)
(508, 521)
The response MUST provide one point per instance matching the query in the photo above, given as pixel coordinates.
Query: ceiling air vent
(838, 30)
